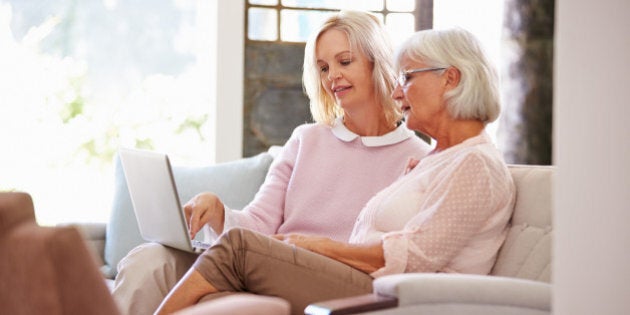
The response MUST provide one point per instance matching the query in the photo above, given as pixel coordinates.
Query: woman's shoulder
(480, 156)
(305, 137)
(485, 159)
(480, 153)
(310, 129)
(480, 148)
(305, 134)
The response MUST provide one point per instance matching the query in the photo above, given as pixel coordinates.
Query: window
(485, 20)
(293, 20)
(82, 78)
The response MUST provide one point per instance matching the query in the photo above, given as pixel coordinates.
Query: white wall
(226, 112)
(592, 151)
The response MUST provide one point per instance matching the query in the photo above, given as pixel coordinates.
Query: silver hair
(477, 95)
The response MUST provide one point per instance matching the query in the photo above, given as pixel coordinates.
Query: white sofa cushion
(526, 253)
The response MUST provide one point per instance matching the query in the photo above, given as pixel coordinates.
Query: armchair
(45, 270)
(519, 282)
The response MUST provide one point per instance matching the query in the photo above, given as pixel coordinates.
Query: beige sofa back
(526, 253)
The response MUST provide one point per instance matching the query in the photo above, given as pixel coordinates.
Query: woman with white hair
(448, 213)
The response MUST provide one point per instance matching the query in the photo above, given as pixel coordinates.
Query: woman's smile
(341, 90)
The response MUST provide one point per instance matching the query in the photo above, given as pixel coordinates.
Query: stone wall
(274, 100)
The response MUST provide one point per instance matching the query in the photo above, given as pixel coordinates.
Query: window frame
(423, 16)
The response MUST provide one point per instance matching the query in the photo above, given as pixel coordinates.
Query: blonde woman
(325, 172)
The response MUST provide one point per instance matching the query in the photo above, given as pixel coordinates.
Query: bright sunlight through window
(482, 18)
(80, 79)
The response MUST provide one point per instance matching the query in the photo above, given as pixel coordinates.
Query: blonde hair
(477, 95)
(367, 35)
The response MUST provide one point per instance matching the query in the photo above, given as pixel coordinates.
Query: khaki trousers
(146, 275)
(242, 260)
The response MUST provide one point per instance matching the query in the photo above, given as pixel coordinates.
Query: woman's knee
(232, 245)
(148, 257)
(240, 238)
(235, 234)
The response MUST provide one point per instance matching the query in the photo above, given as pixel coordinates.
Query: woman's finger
(195, 221)
(188, 207)
(279, 237)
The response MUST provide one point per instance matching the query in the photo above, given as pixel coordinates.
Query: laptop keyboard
(200, 244)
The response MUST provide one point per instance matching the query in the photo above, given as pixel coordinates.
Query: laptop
(155, 200)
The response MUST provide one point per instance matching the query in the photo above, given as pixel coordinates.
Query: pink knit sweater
(322, 179)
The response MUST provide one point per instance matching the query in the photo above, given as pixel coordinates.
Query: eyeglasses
(403, 77)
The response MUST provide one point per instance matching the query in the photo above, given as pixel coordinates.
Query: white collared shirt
(397, 135)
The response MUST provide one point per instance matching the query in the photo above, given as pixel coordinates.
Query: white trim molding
(227, 60)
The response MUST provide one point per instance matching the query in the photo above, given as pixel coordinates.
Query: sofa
(519, 282)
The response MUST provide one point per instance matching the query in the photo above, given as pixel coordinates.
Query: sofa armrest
(422, 288)
(454, 294)
(94, 236)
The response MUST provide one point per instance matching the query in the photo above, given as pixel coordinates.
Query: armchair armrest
(454, 294)
(94, 236)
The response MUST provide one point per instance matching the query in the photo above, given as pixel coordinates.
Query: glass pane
(264, 2)
(400, 26)
(379, 16)
(401, 5)
(262, 24)
(82, 78)
(297, 25)
(368, 5)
